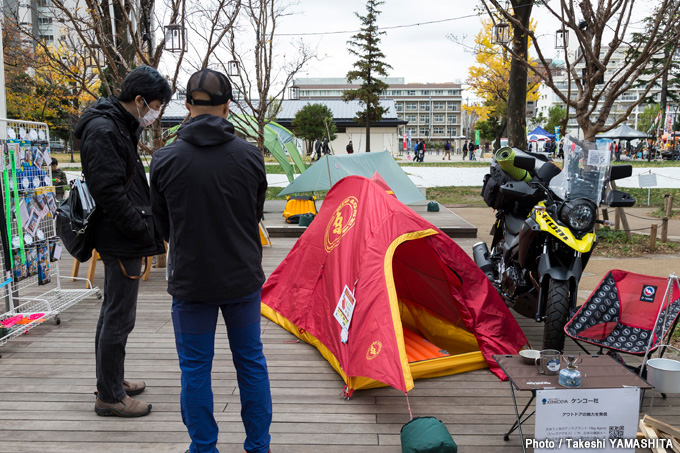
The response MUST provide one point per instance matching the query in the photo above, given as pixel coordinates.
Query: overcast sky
(420, 53)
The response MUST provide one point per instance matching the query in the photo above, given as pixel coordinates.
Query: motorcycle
(544, 232)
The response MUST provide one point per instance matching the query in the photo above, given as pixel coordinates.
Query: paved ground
(47, 380)
(658, 265)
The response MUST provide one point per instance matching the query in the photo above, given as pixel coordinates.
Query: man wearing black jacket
(124, 228)
(208, 189)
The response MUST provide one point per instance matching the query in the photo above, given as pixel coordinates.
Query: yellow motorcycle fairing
(583, 245)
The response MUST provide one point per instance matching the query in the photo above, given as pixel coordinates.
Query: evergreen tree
(368, 67)
(657, 64)
(310, 123)
(556, 115)
(647, 118)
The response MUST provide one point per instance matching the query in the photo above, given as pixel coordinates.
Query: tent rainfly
(385, 296)
(623, 132)
(540, 131)
(331, 169)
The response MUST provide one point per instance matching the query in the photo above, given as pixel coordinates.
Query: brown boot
(133, 388)
(127, 408)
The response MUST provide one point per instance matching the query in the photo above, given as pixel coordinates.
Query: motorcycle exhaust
(480, 253)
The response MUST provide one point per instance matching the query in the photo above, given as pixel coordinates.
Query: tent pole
(328, 166)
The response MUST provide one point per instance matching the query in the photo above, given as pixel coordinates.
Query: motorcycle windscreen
(585, 171)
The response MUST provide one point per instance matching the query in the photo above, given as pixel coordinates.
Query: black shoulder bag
(75, 217)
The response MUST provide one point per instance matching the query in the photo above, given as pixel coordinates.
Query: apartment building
(548, 98)
(38, 18)
(432, 110)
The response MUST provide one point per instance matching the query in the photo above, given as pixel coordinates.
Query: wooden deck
(445, 219)
(47, 379)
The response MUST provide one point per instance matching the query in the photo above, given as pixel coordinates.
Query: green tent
(330, 169)
(277, 139)
(288, 139)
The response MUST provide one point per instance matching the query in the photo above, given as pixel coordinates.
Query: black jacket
(108, 152)
(208, 189)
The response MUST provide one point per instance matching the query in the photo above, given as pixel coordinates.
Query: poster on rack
(586, 420)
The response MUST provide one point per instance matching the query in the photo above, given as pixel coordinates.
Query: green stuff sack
(426, 435)
(506, 159)
(433, 206)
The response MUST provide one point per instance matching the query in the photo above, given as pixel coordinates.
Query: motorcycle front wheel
(557, 315)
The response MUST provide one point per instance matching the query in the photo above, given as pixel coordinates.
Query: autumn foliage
(35, 89)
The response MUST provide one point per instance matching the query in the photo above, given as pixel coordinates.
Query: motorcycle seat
(513, 223)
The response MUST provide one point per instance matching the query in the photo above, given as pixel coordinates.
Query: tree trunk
(517, 93)
(663, 97)
(260, 134)
(499, 133)
(368, 135)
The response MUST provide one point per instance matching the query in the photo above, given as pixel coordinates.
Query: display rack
(30, 249)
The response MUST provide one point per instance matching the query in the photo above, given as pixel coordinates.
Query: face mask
(150, 116)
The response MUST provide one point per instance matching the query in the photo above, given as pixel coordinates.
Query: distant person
(465, 149)
(447, 150)
(473, 149)
(617, 151)
(350, 148)
(326, 148)
(59, 179)
(317, 150)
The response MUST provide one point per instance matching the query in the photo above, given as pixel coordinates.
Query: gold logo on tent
(374, 350)
(342, 220)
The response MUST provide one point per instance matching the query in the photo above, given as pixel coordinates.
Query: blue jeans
(195, 324)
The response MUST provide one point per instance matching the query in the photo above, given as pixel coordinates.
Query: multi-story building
(432, 110)
(37, 18)
(548, 98)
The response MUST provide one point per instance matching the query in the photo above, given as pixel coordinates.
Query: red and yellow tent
(411, 302)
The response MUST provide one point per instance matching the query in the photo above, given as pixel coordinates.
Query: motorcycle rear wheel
(557, 315)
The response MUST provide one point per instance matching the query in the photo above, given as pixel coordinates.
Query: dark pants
(195, 324)
(116, 321)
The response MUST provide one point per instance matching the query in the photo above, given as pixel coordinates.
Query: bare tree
(601, 29)
(262, 88)
(106, 39)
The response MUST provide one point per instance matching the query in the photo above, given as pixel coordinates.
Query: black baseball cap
(213, 83)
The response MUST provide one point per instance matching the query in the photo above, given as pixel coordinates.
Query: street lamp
(174, 38)
(233, 69)
(93, 57)
(501, 33)
(294, 93)
(561, 39)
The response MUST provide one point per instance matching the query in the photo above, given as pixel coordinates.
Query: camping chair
(628, 313)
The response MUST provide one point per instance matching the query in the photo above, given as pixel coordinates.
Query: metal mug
(549, 362)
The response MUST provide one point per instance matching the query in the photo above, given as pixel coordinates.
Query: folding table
(602, 372)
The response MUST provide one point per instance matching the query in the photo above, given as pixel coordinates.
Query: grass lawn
(470, 196)
(65, 158)
(644, 163)
(614, 244)
(456, 196)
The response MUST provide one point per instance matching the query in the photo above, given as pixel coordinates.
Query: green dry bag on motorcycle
(426, 435)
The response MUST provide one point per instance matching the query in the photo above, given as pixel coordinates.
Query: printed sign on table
(343, 312)
(586, 420)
